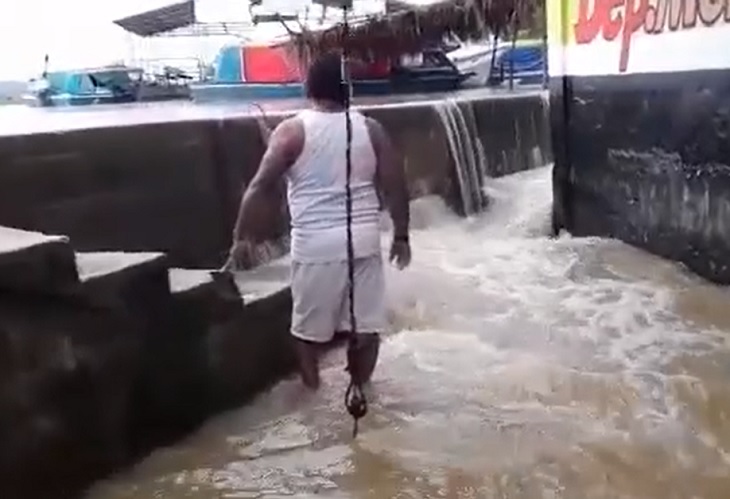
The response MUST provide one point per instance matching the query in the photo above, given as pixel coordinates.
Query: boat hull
(476, 59)
(68, 100)
(525, 64)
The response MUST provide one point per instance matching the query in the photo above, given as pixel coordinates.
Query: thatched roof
(408, 31)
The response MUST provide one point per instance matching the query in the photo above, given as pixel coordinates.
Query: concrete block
(122, 280)
(255, 349)
(31, 261)
(65, 389)
(203, 296)
(139, 187)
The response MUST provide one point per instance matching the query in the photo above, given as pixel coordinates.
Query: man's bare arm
(284, 146)
(391, 178)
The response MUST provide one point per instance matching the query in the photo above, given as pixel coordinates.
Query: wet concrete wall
(175, 186)
(100, 365)
(642, 151)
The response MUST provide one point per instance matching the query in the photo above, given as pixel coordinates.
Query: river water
(518, 367)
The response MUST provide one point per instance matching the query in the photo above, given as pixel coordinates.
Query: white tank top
(316, 190)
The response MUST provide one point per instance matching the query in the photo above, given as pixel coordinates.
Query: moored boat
(273, 71)
(106, 85)
(494, 65)
(525, 64)
(476, 58)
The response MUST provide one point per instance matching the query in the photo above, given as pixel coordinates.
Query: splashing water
(520, 367)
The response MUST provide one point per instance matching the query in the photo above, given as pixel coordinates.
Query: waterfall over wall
(467, 151)
(484, 141)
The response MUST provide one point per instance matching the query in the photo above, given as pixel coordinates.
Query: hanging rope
(355, 401)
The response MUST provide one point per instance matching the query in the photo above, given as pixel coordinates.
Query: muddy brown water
(518, 367)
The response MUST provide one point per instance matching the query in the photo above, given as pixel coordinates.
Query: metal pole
(512, 55)
(545, 77)
(495, 38)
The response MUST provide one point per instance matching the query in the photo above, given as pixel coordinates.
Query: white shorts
(320, 293)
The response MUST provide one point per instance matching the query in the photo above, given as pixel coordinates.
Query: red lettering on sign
(635, 14)
(588, 25)
(612, 18)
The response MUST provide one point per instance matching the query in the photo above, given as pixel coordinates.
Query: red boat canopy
(276, 64)
(267, 64)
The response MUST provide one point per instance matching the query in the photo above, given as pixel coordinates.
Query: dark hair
(324, 79)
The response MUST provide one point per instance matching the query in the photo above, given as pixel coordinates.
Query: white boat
(476, 58)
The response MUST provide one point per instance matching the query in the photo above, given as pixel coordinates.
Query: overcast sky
(70, 31)
(79, 33)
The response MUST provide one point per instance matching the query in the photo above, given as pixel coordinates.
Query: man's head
(324, 80)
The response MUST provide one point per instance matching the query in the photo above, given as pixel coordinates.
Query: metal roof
(395, 5)
(156, 21)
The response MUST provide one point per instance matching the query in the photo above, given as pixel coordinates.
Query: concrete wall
(99, 367)
(640, 130)
(175, 186)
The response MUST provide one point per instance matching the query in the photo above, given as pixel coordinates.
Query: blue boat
(106, 85)
(264, 72)
(525, 63)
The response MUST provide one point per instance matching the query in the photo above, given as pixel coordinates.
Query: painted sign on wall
(605, 37)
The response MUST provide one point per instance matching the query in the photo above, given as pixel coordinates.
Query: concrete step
(176, 387)
(35, 262)
(254, 347)
(264, 281)
(209, 296)
(122, 279)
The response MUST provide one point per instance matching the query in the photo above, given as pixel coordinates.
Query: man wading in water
(308, 150)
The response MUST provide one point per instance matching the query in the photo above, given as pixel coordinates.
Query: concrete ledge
(116, 278)
(31, 261)
(264, 281)
(249, 353)
(217, 292)
(172, 182)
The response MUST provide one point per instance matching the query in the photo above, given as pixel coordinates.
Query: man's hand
(265, 129)
(246, 253)
(240, 256)
(400, 253)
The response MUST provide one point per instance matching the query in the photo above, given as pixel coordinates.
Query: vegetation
(406, 31)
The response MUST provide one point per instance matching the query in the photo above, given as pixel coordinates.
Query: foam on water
(520, 366)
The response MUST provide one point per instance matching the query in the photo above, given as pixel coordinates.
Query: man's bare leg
(308, 357)
(362, 356)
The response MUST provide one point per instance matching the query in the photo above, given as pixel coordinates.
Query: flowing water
(518, 367)
(466, 149)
